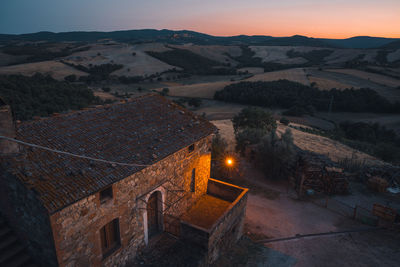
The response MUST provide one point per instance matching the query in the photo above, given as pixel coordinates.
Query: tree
(195, 102)
(165, 91)
(284, 121)
(276, 156)
(248, 136)
(218, 147)
(254, 117)
(70, 78)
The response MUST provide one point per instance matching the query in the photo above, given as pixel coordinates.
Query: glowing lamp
(229, 162)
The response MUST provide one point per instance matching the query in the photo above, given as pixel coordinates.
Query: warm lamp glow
(229, 161)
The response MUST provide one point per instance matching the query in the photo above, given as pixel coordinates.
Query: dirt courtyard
(283, 216)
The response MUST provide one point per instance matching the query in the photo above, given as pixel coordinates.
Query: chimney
(7, 128)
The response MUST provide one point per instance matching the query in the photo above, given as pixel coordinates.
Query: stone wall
(28, 218)
(76, 228)
(228, 230)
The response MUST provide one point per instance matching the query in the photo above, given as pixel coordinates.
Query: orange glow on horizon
(318, 21)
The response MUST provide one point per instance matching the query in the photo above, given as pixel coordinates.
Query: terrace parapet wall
(227, 229)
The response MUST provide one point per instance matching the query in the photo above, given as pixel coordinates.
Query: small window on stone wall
(110, 237)
(191, 148)
(193, 181)
(106, 194)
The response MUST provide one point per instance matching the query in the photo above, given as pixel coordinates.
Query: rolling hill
(184, 36)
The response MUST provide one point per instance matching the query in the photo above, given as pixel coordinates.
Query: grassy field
(306, 141)
(252, 70)
(278, 54)
(296, 75)
(134, 65)
(201, 90)
(340, 56)
(377, 78)
(214, 52)
(394, 56)
(327, 84)
(208, 89)
(56, 69)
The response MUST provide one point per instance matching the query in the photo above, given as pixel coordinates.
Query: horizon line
(253, 35)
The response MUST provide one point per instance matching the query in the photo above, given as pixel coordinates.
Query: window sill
(112, 251)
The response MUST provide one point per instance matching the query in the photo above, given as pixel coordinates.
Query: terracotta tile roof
(142, 131)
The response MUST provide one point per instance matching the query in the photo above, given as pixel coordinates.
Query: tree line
(288, 94)
(41, 95)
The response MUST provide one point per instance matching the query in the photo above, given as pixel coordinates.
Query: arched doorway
(154, 213)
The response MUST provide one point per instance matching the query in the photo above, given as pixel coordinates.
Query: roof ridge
(88, 109)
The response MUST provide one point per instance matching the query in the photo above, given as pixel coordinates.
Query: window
(193, 181)
(191, 148)
(110, 239)
(106, 194)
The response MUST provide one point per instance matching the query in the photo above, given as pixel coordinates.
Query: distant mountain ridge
(185, 36)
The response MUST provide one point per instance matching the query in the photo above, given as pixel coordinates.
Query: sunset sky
(314, 18)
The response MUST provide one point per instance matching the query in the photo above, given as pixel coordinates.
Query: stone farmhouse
(154, 178)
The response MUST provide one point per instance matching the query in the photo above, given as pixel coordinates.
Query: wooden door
(152, 214)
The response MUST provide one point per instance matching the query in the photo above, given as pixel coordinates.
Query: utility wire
(71, 154)
(81, 156)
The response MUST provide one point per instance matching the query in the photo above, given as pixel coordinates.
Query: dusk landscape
(199, 133)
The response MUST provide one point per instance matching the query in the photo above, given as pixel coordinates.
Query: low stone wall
(227, 229)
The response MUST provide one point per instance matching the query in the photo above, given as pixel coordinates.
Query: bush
(194, 102)
(106, 89)
(284, 121)
(165, 92)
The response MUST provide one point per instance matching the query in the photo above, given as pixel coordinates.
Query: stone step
(4, 231)
(12, 251)
(19, 260)
(7, 241)
(7, 253)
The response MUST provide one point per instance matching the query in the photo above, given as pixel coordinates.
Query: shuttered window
(110, 238)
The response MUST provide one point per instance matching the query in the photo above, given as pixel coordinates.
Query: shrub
(194, 102)
(165, 91)
(284, 121)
